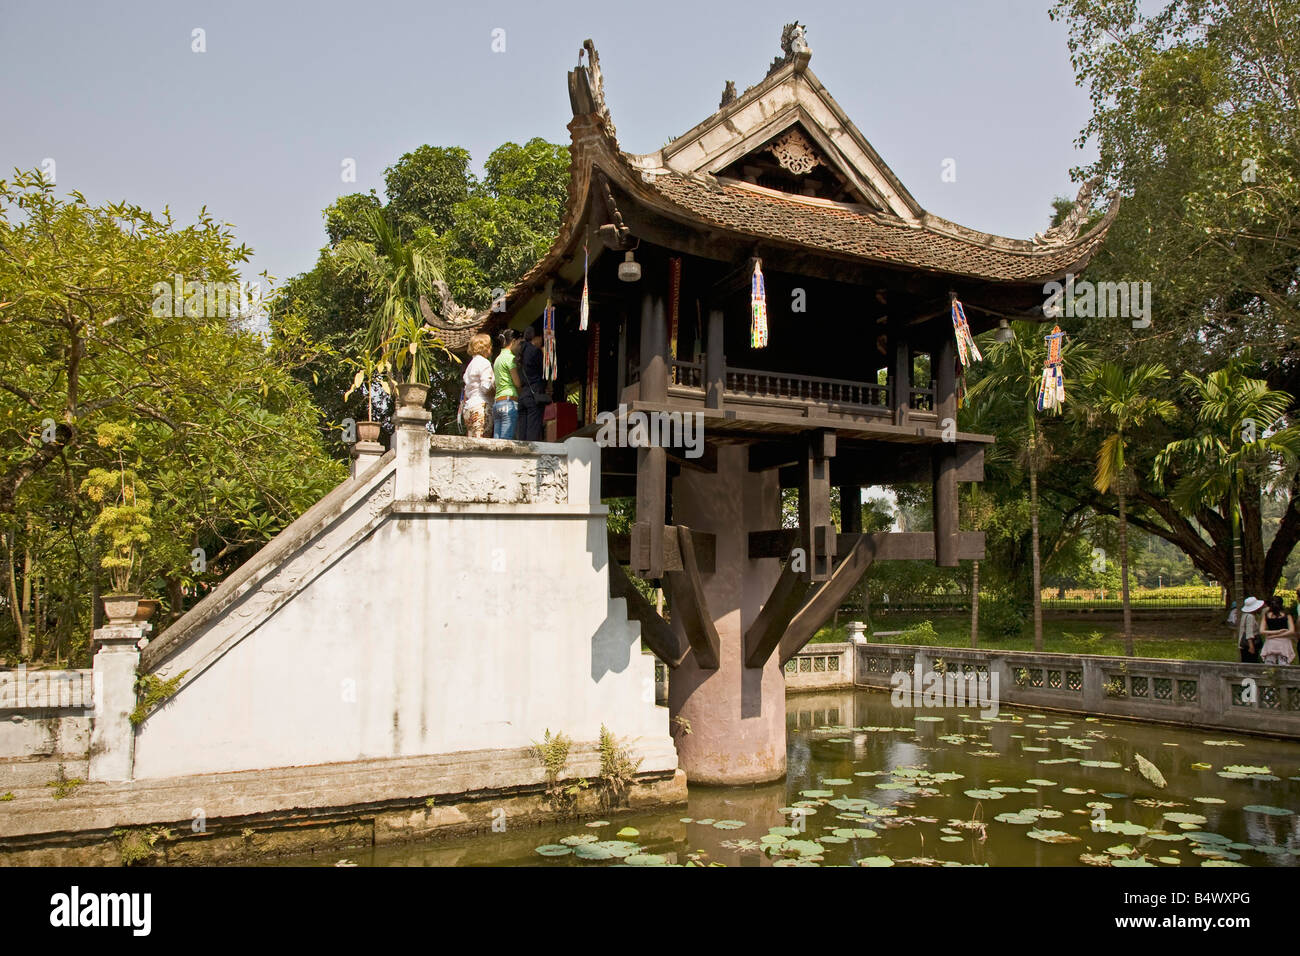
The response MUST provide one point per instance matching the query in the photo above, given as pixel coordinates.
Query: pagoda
(847, 376)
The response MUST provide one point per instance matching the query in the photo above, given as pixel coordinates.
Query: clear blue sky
(256, 128)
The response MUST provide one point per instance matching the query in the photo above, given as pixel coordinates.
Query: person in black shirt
(532, 397)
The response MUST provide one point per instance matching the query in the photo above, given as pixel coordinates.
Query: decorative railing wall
(1256, 698)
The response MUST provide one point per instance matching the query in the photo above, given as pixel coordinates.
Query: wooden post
(654, 349)
(621, 382)
(647, 558)
(715, 362)
(943, 358)
(815, 503)
(900, 370)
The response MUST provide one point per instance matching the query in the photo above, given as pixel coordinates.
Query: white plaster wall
(448, 628)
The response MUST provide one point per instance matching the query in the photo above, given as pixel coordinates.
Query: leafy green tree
(1242, 444)
(223, 437)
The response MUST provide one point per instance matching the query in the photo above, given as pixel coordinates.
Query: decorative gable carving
(795, 153)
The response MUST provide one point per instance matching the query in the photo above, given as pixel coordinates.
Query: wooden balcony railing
(754, 383)
(687, 374)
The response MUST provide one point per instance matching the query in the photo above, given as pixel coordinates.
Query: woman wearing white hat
(1248, 640)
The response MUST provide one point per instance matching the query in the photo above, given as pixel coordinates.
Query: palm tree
(1236, 445)
(396, 273)
(1013, 373)
(1122, 401)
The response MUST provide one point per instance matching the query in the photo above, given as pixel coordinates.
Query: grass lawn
(1184, 637)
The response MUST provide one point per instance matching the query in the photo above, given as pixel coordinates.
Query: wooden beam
(689, 606)
(765, 634)
(734, 281)
(658, 634)
(705, 544)
(827, 598)
(889, 545)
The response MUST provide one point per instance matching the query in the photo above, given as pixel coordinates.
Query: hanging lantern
(629, 270)
(758, 308)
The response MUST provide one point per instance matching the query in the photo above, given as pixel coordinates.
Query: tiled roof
(849, 231)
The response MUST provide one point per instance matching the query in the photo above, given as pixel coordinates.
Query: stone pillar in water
(736, 713)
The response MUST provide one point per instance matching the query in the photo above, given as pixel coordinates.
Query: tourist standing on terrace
(480, 383)
(1278, 630)
(1248, 640)
(505, 412)
(532, 391)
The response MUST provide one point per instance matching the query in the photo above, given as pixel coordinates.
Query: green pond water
(884, 786)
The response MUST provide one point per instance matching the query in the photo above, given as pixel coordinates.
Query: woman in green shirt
(505, 411)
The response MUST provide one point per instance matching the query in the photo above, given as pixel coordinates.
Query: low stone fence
(820, 667)
(1254, 698)
(45, 725)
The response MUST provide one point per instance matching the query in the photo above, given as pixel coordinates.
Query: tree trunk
(1123, 574)
(15, 609)
(1033, 524)
(975, 604)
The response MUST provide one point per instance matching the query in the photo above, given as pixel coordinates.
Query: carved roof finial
(1068, 229)
(728, 94)
(794, 48)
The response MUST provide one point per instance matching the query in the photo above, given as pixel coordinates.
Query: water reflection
(927, 787)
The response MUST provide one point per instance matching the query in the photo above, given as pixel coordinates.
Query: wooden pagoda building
(856, 386)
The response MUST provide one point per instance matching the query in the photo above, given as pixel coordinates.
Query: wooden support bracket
(686, 596)
(659, 636)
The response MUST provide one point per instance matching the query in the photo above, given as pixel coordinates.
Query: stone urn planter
(367, 431)
(121, 609)
(412, 394)
(147, 608)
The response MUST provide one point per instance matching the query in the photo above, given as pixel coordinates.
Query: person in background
(505, 411)
(1277, 633)
(532, 388)
(1248, 639)
(480, 384)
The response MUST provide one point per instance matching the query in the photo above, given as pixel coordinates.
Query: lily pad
(875, 861)
(984, 794)
(579, 838)
(554, 849)
(646, 859)
(629, 832)
(1052, 836)
(728, 824)
(1269, 811)
(589, 851)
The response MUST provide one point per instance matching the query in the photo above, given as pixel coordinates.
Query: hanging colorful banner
(758, 308)
(967, 350)
(584, 310)
(549, 368)
(1051, 390)
(593, 375)
(674, 302)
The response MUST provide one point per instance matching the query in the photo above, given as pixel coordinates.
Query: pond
(874, 785)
